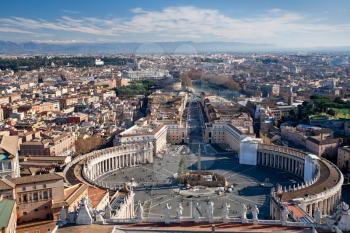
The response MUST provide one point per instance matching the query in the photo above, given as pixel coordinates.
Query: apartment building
(147, 133)
(7, 189)
(38, 197)
(177, 134)
(68, 101)
(219, 110)
(15, 97)
(167, 108)
(297, 136)
(343, 159)
(46, 107)
(226, 134)
(56, 144)
(326, 147)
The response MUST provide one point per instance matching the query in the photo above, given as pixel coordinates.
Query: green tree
(331, 112)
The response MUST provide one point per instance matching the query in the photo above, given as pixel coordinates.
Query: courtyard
(155, 184)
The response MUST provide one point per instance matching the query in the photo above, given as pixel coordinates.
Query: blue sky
(287, 23)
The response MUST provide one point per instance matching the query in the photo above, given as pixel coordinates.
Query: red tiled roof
(36, 179)
(297, 212)
(96, 195)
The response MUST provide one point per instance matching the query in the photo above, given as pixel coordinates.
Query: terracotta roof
(297, 212)
(43, 224)
(10, 144)
(46, 158)
(37, 164)
(86, 229)
(68, 191)
(6, 185)
(73, 192)
(96, 195)
(36, 179)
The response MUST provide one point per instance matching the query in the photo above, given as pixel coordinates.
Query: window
(23, 188)
(24, 198)
(35, 197)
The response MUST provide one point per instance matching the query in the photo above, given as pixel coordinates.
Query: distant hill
(34, 48)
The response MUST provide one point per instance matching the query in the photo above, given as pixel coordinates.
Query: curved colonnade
(322, 184)
(321, 187)
(115, 158)
(101, 162)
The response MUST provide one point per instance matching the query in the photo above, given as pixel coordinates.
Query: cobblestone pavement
(157, 186)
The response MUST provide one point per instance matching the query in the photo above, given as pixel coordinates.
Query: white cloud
(62, 41)
(185, 23)
(14, 30)
(137, 10)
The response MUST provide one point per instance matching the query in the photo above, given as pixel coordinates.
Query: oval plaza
(317, 190)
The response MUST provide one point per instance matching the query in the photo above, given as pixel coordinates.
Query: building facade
(224, 133)
(50, 145)
(9, 162)
(322, 147)
(155, 134)
(343, 159)
(38, 197)
(177, 134)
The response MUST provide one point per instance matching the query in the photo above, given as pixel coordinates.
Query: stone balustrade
(204, 220)
(322, 190)
(282, 149)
